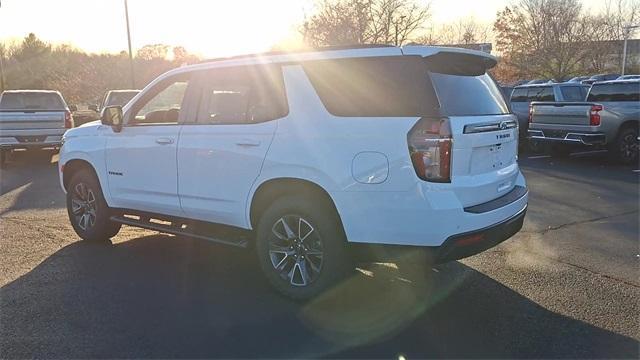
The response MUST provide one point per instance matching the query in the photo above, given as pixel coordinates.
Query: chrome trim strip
(492, 126)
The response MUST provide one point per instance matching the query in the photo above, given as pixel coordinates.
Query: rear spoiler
(455, 61)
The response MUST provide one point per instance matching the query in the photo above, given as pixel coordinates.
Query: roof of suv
(330, 53)
(552, 84)
(623, 81)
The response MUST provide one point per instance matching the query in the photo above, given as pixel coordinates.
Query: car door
(221, 154)
(141, 159)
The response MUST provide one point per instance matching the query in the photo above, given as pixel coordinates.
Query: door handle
(247, 142)
(164, 141)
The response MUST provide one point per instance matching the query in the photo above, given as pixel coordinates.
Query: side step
(175, 228)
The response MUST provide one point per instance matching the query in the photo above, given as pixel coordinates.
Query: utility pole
(396, 25)
(126, 14)
(626, 30)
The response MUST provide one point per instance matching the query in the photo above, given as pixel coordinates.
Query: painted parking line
(539, 157)
(588, 152)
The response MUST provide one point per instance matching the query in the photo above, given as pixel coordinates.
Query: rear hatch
(483, 131)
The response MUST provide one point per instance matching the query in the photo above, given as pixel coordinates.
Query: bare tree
(463, 32)
(343, 22)
(543, 38)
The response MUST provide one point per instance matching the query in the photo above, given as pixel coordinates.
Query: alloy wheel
(296, 250)
(629, 146)
(83, 206)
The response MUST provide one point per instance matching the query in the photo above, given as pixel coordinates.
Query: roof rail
(302, 51)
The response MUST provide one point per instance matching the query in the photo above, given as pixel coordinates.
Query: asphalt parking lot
(567, 286)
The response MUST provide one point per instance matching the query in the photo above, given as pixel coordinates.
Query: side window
(243, 95)
(572, 93)
(162, 105)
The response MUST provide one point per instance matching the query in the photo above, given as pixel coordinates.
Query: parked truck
(523, 95)
(32, 119)
(608, 119)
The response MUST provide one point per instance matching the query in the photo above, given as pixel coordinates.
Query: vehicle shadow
(166, 297)
(33, 175)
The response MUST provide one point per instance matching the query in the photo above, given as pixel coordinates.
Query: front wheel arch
(72, 167)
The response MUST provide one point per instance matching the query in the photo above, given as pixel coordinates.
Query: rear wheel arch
(629, 124)
(277, 188)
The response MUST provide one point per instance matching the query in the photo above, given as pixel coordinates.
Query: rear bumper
(568, 137)
(26, 139)
(471, 243)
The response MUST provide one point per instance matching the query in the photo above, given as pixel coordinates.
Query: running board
(174, 229)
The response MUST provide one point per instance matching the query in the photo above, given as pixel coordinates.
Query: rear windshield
(31, 101)
(468, 95)
(615, 92)
(120, 98)
(534, 93)
(400, 86)
(573, 93)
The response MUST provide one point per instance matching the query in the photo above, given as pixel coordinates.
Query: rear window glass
(572, 93)
(615, 92)
(461, 95)
(374, 87)
(534, 93)
(31, 101)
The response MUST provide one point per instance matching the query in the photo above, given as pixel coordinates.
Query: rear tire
(625, 149)
(88, 211)
(301, 247)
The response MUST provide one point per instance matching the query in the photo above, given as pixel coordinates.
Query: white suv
(311, 157)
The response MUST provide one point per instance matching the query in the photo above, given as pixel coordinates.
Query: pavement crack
(578, 222)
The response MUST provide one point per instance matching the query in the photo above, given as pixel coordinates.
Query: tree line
(83, 78)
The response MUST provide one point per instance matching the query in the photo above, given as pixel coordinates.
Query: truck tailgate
(565, 113)
(28, 120)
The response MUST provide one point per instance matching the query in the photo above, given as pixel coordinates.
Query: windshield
(120, 98)
(31, 101)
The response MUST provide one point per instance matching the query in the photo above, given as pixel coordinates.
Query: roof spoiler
(454, 61)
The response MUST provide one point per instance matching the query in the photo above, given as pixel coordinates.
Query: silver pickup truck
(608, 118)
(32, 119)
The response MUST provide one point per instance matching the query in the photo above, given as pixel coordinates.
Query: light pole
(396, 25)
(626, 30)
(126, 14)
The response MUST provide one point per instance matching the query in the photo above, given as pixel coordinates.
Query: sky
(208, 28)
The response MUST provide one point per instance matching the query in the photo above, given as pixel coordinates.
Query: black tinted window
(572, 93)
(615, 92)
(541, 94)
(468, 95)
(31, 101)
(374, 87)
(519, 95)
(243, 95)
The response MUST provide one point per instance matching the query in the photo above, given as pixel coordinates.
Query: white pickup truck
(32, 119)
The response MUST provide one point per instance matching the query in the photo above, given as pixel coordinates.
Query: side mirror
(73, 108)
(112, 116)
(93, 108)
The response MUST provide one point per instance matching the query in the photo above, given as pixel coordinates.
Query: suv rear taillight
(594, 116)
(430, 149)
(68, 119)
(530, 114)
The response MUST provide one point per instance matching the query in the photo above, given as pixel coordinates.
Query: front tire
(88, 211)
(301, 248)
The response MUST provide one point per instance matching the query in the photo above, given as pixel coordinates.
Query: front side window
(245, 95)
(162, 105)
